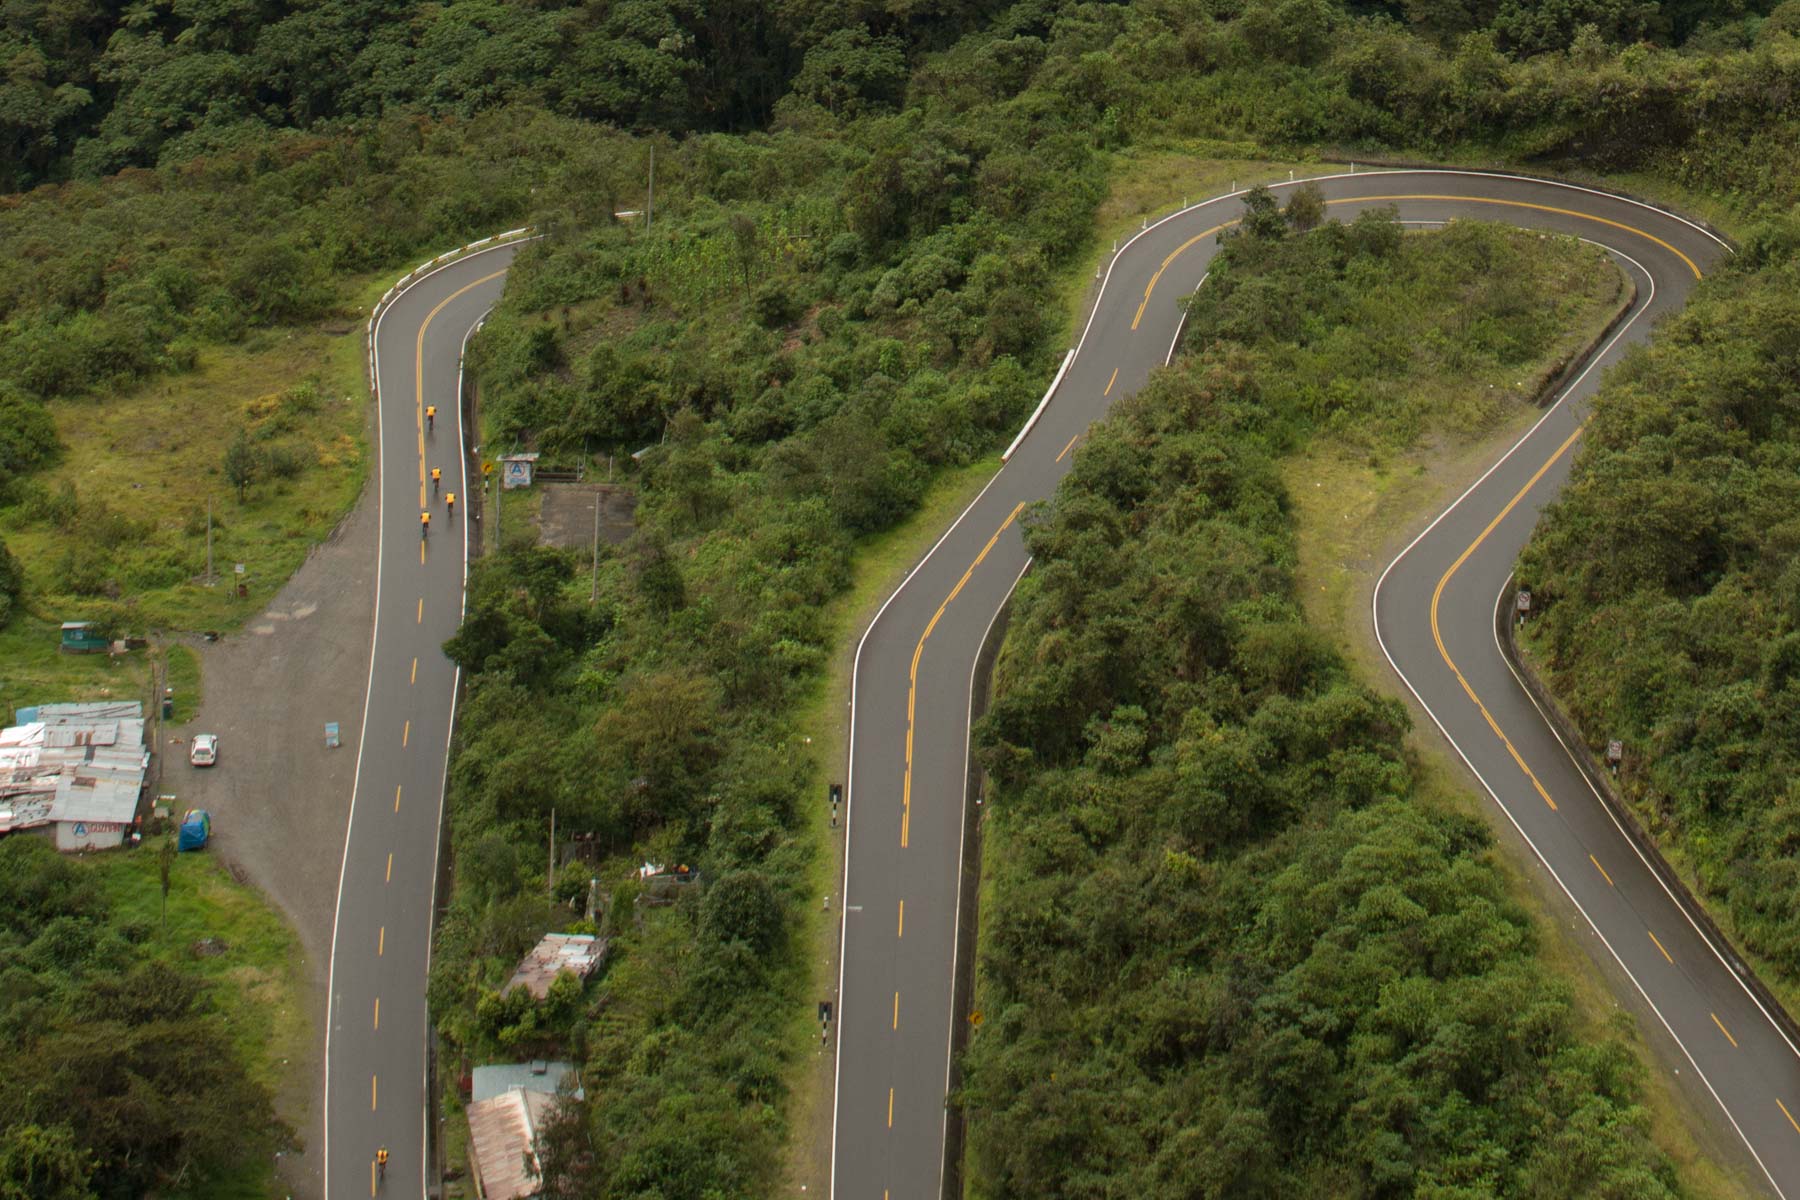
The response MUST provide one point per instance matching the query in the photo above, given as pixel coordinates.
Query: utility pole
(650, 199)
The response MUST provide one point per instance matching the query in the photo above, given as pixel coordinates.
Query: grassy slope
(257, 979)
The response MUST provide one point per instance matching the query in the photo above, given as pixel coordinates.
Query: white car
(204, 751)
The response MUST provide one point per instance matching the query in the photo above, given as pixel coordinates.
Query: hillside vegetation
(1228, 950)
(1666, 589)
(132, 1069)
(860, 213)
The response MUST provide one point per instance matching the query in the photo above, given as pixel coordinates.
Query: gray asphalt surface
(377, 1022)
(911, 695)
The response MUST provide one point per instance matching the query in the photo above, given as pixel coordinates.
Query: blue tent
(196, 829)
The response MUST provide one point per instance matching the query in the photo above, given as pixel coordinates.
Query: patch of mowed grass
(117, 528)
(182, 673)
(257, 978)
(34, 671)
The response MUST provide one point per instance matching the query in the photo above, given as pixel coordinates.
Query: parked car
(204, 751)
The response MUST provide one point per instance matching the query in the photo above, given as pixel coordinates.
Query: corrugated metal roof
(77, 763)
(496, 1078)
(557, 952)
(503, 1143)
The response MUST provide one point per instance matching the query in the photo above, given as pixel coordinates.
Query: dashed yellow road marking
(1601, 869)
(381, 941)
(890, 1108)
(397, 797)
(1723, 1030)
(374, 1092)
(1069, 447)
(421, 610)
(390, 869)
(415, 666)
(1788, 1115)
(896, 1010)
(1110, 382)
(405, 733)
(378, 1012)
(901, 930)
(1659, 946)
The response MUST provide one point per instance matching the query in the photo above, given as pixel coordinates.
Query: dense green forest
(1666, 584)
(861, 211)
(92, 87)
(122, 1077)
(1229, 951)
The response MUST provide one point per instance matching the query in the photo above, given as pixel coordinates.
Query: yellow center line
(1545, 208)
(901, 931)
(890, 1108)
(896, 1010)
(1723, 1030)
(1659, 946)
(378, 1012)
(912, 686)
(372, 1177)
(396, 797)
(1601, 869)
(381, 941)
(421, 552)
(1561, 212)
(390, 870)
(374, 1092)
(419, 376)
(1110, 382)
(415, 669)
(1438, 594)
(1788, 1115)
(421, 610)
(1069, 447)
(405, 733)
(1173, 255)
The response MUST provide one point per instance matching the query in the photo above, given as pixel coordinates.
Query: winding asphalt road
(377, 1026)
(1435, 615)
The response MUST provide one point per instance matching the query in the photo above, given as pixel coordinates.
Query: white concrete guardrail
(412, 277)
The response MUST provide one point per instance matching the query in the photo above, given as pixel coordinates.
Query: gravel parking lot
(280, 800)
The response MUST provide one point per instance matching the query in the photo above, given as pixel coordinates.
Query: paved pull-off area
(1434, 612)
(377, 1024)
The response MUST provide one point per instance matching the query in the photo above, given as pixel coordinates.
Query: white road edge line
(437, 840)
(1679, 904)
(362, 737)
(1099, 301)
(1375, 620)
(956, 925)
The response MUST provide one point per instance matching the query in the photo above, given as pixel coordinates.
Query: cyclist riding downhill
(436, 476)
(450, 503)
(430, 417)
(424, 525)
